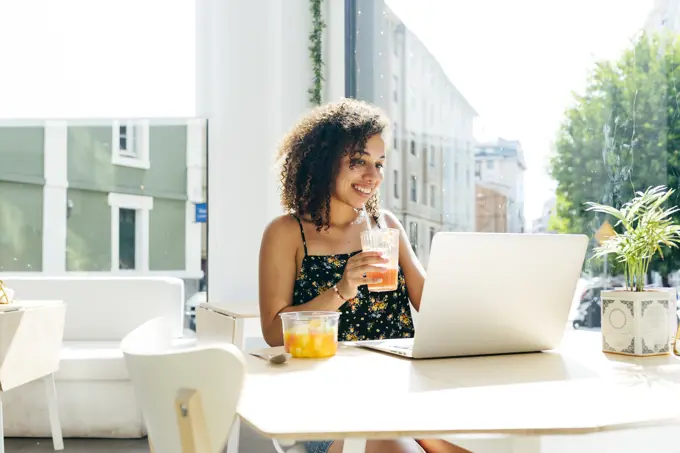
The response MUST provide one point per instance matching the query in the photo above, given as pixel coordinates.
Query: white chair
(188, 394)
(225, 325)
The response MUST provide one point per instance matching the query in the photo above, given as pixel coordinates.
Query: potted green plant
(638, 320)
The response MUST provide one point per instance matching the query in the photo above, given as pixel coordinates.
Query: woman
(332, 166)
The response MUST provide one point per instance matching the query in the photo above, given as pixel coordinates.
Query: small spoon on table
(279, 359)
(274, 359)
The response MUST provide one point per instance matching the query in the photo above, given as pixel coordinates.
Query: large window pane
(123, 213)
(522, 121)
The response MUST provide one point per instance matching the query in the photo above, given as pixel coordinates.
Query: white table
(31, 335)
(361, 394)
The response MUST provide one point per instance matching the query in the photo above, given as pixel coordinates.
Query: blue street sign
(201, 212)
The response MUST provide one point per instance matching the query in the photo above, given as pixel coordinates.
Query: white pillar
(237, 69)
(253, 72)
(55, 198)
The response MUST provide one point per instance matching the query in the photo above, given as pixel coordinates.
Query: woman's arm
(277, 274)
(414, 273)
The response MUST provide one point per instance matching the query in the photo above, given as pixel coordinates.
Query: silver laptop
(493, 293)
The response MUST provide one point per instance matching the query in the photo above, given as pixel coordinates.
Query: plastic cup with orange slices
(310, 334)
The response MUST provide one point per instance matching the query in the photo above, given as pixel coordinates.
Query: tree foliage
(620, 136)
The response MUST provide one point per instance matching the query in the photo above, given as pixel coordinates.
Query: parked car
(589, 311)
(190, 308)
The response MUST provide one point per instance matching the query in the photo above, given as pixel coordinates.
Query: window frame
(137, 153)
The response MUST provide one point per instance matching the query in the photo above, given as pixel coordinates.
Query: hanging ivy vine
(315, 53)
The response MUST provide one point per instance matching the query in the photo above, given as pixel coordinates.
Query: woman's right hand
(356, 269)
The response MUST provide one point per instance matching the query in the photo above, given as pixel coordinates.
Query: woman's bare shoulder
(282, 229)
(390, 219)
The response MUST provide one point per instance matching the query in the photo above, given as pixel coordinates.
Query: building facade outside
(500, 164)
(491, 210)
(113, 197)
(665, 16)
(429, 182)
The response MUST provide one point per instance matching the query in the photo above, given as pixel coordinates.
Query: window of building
(127, 235)
(433, 231)
(126, 147)
(413, 147)
(413, 236)
(129, 231)
(414, 189)
(478, 169)
(396, 137)
(396, 184)
(130, 144)
(489, 164)
(432, 196)
(395, 91)
(425, 193)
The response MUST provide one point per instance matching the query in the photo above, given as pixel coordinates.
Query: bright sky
(517, 61)
(96, 58)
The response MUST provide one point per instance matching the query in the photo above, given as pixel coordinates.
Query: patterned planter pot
(638, 323)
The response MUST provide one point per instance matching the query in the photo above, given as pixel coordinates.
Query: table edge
(303, 436)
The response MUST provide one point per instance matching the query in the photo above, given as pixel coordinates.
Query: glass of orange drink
(310, 334)
(385, 240)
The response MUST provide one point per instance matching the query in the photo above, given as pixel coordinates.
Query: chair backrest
(172, 383)
(106, 308)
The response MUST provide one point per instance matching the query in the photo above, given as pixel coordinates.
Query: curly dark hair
(311, 153)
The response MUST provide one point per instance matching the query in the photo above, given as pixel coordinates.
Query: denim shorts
(318, 446)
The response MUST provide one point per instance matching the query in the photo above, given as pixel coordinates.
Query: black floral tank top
(369, 316)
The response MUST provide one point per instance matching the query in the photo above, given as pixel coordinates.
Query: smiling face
(360, 175)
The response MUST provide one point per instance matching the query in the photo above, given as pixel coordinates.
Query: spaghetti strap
(302, 232)
(376, 218)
